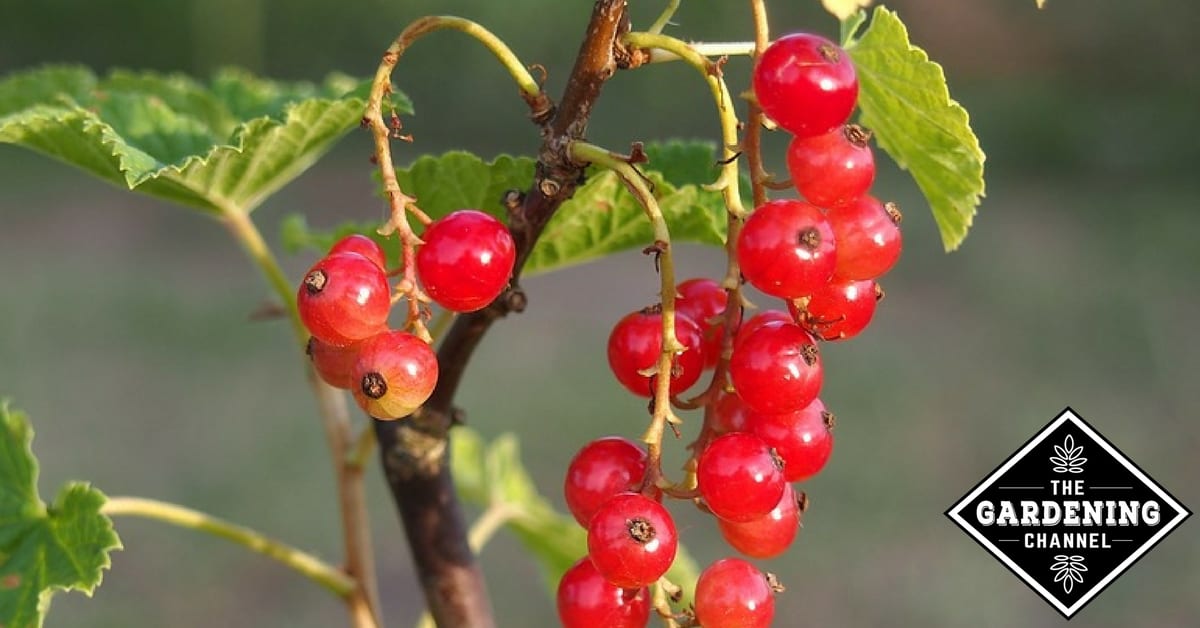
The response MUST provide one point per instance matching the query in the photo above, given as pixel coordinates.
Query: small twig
(753, 142)
(665, 17)
(707, 49)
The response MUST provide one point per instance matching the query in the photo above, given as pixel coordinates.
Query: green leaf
(62, 547)
(905, 101)
(491, 475)
(218, 148)
(602, 218)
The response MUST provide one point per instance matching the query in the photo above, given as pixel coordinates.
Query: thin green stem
(662, 414)
(665, 17)
(247, 234)
(302, 562)
(707, 49)
(728, 181)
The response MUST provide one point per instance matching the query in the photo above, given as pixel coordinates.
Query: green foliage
(602, 218)
(222, 147)
(905, 101)
(492, 476)
(44, 549)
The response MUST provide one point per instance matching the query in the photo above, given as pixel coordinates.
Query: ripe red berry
(806, 84)
(333, 364)
(635, 344)
(765, 318)
(840, 310)
(730, 414)
(363, 245)
(703, 301)
(466, 261)
(868, 237)
(802, 439)
(739, 477)
(777, 369)
(768, 536)
(395, 373)
(601, 469)
(344, 298)
(833, 168)
(632, 540)
(786, 249)
(732, 593)
(587, 600)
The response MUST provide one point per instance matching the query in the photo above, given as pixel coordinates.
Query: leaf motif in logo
(1068, 570)
(1069, 458)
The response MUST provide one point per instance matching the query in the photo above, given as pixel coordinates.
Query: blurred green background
(124, 332)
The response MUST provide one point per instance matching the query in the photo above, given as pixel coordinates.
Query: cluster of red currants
(464, 263)
(822, 257)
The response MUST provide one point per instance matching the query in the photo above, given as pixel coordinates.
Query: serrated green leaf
(43, 549)
(904, 99)
(220, 148)
(602, 218)
(492, 474)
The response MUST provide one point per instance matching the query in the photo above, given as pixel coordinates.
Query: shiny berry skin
(333, 364)
(802, 439)
(739, 477)
(395, 373)
(833, 168)
(765, 318)
(840, 310)
(729, 414)
(806, 84)
(466, 261)
(768, 536)
(631, 540)
(777, 369)
(703, 301)
(732, 593)
(587, 600)
(601, 469)
(786, 249)
(363, 245)
(344, 298)
(868, 236)
(635, 344)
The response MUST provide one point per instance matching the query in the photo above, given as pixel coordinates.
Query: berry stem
(705, 48)
(752, 143)
(662, 414)
(243, 229)
(665, 17)
(727, 182)
(302, 562)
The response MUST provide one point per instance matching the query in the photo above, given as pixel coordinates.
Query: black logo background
(1104, 478)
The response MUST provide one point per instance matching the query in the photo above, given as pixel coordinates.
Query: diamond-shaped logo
(1068, 513)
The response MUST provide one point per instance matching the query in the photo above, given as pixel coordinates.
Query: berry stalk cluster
(765, 426)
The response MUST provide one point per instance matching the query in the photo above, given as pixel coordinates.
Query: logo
(1068, 513)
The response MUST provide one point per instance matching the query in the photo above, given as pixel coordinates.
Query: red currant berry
(601, 469)
(466, 261)
(730, 414)
(635, 344)
(732, 593)
(868, 236)
(344, 298)
(806, 84)
(631, 540)
(363, 245)
(834, 168)
(739, 477)
(587, 600)
(765, 318)
(333, 364)
(802, 439)
(786, 249)
(395, 373)
(840, 310)
(769, 536)
(777, 369)
(703, 301)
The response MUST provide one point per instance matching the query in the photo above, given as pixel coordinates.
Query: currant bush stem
(754, 123)
(707, 49)
(302, 562)
(331, 406)
(728, 181)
